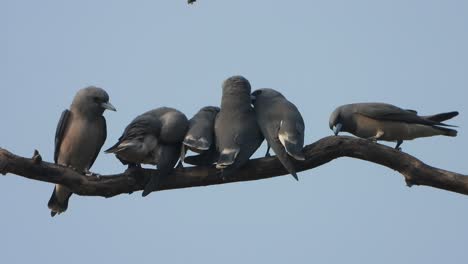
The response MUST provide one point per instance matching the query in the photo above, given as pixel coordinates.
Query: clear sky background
(319, 54)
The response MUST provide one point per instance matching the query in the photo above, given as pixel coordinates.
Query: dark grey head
(92, 101)
(335, 122)
(236, 85)
(265, 94)
(210, 109)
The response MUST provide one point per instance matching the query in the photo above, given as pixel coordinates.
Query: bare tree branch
(325, 150)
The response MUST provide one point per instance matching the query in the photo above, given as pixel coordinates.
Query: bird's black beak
(337, 128)
(253, 98)
(108, 106)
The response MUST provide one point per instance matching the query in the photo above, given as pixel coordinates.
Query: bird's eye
(256, 93)
(96, 99)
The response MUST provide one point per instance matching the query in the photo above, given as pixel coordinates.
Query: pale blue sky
(320, 54)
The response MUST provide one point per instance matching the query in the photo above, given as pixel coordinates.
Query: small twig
(37, 159)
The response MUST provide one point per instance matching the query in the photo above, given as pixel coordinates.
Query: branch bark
(323, 151)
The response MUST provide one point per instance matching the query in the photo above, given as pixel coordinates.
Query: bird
(381, 121)
(282, 126)
(236, 130)
(200, 137)
(79, 136)
(139, 140)
(154, 137)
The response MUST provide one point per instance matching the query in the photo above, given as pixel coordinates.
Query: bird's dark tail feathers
(442, 116)
(199, 145)
(55, 205)
(447, 131)
(151, 185)
(284, 158)
(227, 158)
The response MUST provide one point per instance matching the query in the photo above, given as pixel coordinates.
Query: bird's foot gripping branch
(323, 151)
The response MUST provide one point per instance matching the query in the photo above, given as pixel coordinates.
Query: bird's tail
(442, 116)
(198, 144)
(447, 131)
(227, 158)
(284, 157)
(152, 185)
(58, 202)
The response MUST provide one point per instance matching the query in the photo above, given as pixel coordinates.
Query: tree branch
(324, 150)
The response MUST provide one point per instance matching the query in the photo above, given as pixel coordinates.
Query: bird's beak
(108, 106)
(253, 98)
(337, 128)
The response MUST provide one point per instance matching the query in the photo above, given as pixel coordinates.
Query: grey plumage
(200, 134)
(236, 131)
(152, 138)
(380, 121)
(80, 134)
(200, 137)
(138, 141)
(282, 125)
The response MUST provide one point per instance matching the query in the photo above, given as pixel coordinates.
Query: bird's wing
(60, 132)
(291, 136)
(102, 138)
(137, 129)
(442, 116)
(393, 113)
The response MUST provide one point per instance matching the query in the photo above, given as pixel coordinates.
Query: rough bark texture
(318, 153)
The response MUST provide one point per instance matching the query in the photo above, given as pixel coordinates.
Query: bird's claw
(220, 174)
(90, 174)
(73, 168)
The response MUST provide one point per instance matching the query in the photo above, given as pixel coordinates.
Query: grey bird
(200, 134)
(80, 134)
(200, 137)
(380, 121)
(236, 130)
(282, 125)
(154, 137)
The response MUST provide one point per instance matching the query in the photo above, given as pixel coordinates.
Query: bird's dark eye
(96, 99)
(256, 93)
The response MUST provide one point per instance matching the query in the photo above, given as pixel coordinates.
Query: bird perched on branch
(380, 121)
(282, 125)
(200, 136)
(80, 134)
(236, 130)
(154, 137)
